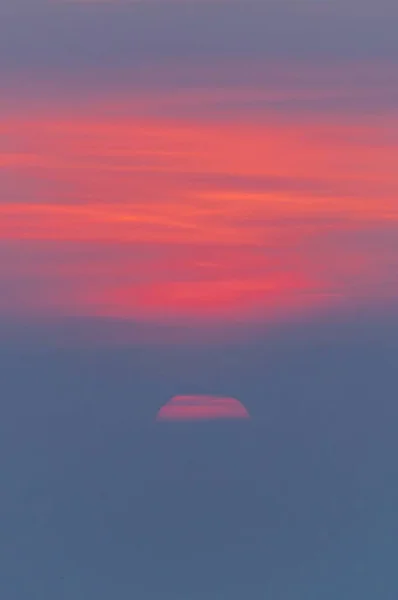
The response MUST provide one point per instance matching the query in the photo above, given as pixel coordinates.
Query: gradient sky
(197, 159)
(198, 197)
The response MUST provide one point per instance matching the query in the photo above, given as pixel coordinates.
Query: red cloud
(157, 218)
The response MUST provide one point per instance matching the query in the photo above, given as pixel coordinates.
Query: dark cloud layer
(100, 501)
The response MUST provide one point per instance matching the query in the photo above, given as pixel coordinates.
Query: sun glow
(202, 408)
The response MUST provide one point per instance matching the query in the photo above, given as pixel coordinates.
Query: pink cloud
(218, 219)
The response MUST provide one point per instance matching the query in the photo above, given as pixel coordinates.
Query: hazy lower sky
(198, 198)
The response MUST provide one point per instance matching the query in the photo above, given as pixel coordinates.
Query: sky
(198, 199)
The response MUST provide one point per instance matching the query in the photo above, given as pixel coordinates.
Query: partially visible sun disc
(202, 408)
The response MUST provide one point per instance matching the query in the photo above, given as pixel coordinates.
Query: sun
(203, 407)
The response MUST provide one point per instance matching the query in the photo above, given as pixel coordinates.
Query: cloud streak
(200, 160)
(242, 217)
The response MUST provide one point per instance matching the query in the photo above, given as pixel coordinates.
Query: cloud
(96, 485)
(245, 218)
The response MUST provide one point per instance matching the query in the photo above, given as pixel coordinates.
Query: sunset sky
(198, 198)
(169, 160)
